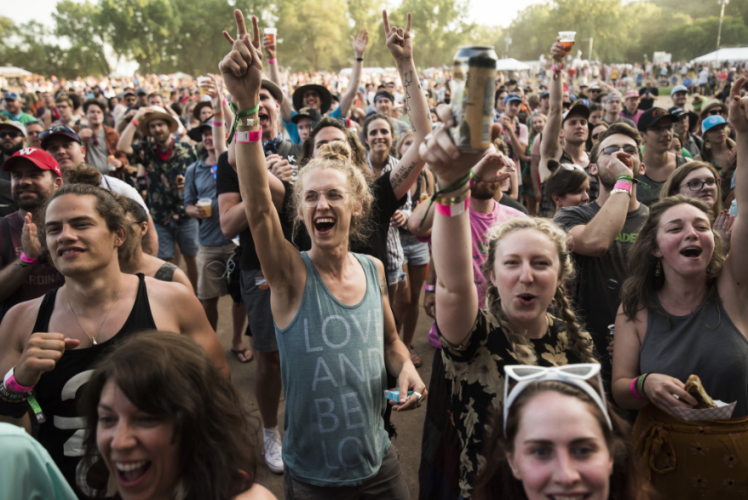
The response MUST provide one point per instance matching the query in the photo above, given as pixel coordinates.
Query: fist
(41, 354)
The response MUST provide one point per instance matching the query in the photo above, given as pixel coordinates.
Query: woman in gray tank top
(335, 329)
(683, 313)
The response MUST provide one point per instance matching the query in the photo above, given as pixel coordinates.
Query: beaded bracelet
(633, 389)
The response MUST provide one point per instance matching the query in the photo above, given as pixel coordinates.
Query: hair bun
(82, 174)
(337, 150)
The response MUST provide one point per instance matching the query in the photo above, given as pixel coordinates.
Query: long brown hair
(496, 481)
(672, 184)
(169, 375)
(522, 348)
(640, 288)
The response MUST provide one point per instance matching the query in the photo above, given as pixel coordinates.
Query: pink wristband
(225, 103)
(11, 383)
(250, 136)
(271, 61)
(633, 390)
(452, 210)
(217, 124)
(623, 185)
(26, 258)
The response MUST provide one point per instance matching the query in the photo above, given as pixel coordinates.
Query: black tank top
(58, 391)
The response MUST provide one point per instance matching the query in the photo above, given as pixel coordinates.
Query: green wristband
(36, 408)
(240, 114)
(452, 187)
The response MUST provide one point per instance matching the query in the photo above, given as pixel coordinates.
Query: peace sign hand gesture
(399, 40)
(241, 69)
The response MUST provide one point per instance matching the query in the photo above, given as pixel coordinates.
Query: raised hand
(30, 243)
(359, 44)
(738, 107)
(557, 50)
(216, 91)
(494, 167)
(399, 40)
(241, 69)
(40, 355)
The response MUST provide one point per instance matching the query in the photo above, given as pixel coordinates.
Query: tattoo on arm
(385, 290)
(402, 174)
(407, 82)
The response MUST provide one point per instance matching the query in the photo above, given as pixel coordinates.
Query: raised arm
(549, 146)
(400, 44)
(359, 47)
(271, 49)
(124, 145)
(735, 269)
(242, 74)
(219, 116)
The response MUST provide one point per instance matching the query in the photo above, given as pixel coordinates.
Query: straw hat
(159, 114)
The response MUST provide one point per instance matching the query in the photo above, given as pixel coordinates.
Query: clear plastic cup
(269, 36)
(205, 204)
(203, 83)
(567, 39)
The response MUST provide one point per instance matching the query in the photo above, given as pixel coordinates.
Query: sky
(491, 12)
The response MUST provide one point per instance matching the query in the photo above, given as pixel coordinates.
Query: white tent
(733, 54)
(510, 64)
(12, 71)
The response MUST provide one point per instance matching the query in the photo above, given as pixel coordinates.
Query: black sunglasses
(12, 135)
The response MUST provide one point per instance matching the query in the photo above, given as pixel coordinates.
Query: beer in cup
(205, 204)
(269, 38)
(567, 40)
(204, 82)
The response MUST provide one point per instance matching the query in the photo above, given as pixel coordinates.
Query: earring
(658, 269)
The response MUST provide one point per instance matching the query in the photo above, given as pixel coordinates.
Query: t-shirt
(476, 370)
(22, 117)
(199, 183)
(382, 209)
(703, 77)
(634, 118)
(597, 287)
(27, 470)
(98, 155)
(7, 204)
(43, 277)
(293, 129)
(648, 191)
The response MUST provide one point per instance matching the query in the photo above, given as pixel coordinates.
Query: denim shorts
(183, 231)
(396, 276)
(415, 252)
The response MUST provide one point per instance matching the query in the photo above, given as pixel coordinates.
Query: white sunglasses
(575, 374)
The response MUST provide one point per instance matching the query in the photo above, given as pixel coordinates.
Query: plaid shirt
(164, 199)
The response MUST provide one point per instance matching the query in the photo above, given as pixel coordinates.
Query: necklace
(93, 339)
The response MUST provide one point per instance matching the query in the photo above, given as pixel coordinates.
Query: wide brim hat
(275, 90)
(162, 114)
(196, 133)
(198, 107)
(324, 94)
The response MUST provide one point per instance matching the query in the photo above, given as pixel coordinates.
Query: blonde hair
(521, 346)
(337, 156)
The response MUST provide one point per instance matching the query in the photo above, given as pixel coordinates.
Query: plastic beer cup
(567, 39)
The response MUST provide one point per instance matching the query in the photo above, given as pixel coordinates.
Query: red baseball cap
(38, 157)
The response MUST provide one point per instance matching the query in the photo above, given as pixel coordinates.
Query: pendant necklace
(93, 339)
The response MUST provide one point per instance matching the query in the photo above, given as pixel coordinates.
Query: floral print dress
(476, 369)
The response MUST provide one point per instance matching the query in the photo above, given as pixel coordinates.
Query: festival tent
(733, 54)
(13, 72)
(510, 64)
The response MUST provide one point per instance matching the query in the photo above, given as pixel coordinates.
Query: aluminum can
(473, 86)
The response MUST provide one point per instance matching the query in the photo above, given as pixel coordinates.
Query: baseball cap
(612, 95)
(512, 96)
(128, 92)
(710, 122)
(678, 88)
(306, 113)
(544, 94)
(651, 116)
(16, 125)
(59, 130)
(578, 109)
(11, 96)
(141, 91)
(594, 86)
(632, 93)
(678, 112)
(38, 157)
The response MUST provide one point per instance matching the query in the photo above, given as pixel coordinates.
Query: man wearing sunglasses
(13, 110)
(656, 127)
(603, 231)
(12, 136)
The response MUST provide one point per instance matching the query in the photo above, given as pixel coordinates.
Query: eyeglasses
(334, 197)
(696, 185)
(576, 375)
(713, 112)
(12, 135)
(628, 149)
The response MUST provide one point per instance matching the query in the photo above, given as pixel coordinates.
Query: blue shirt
(293, 129)
(200, 183)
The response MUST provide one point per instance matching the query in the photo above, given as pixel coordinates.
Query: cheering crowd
(580, 272)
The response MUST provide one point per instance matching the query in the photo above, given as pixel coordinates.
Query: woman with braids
(336, 333)
(527, 263)
(161, 422)
(683, 313)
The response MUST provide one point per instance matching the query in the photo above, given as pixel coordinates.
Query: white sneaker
(272, 450)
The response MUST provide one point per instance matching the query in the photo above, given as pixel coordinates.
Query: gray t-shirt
(598, 285)
(98, 154)
(200, 183)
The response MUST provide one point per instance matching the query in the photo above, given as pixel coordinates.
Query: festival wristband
(249, 136)
(452, 210)
(622, 185)
(360, 59)
(271, 61)
(217, 124)
(429, 288)
(627, 178)
(134, 122)
(225, 103)
(633, 389)
(11, 397)
(37, 409)
(474, 179)
(615, 191)
(26, 258)
(556, 68)
(10, 382)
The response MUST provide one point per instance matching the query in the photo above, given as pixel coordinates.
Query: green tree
(700, 37)
(80, 25)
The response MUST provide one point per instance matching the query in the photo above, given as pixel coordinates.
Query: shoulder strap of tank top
(679, 161)
(566, 158)
(46, 308)
(141, 317)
